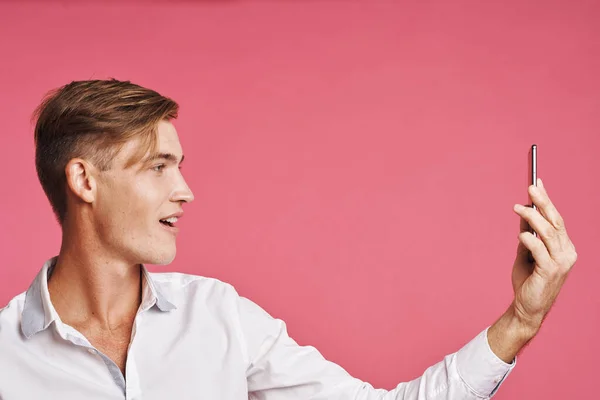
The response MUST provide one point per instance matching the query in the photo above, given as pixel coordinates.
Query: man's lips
(171, 228)
(170, 221)
(177, 214)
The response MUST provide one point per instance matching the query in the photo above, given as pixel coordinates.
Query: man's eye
(158, 168)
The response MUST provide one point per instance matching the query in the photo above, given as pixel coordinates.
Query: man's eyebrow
(164, 156)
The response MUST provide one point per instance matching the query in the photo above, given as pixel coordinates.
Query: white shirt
(195, 338)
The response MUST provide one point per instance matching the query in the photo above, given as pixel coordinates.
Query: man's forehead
(167, 148)
(168, 139)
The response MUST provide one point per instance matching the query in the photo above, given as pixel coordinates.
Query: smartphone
(532, 180)
(532, 172)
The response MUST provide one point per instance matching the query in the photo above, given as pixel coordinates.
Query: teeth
(171, 220)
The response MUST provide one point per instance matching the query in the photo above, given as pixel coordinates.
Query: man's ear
(80, 179)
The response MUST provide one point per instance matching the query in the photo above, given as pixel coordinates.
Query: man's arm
(277, 368)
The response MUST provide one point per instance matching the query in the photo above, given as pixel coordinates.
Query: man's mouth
(169, 221)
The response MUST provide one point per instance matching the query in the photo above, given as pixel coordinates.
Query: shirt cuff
(480, 368)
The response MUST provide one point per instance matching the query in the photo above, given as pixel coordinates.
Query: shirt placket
(130, 386)
(132, 389)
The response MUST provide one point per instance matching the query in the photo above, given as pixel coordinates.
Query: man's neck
(95, 292)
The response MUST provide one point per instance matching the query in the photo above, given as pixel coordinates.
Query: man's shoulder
(10, 314)
(14, 305)
(184, 279)
(178, 282)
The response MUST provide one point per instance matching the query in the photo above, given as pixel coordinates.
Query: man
(95, 324)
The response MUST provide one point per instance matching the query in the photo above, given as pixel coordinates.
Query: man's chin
(165, 260)
(162, 258)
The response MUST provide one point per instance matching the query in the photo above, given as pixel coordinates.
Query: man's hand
(536, 283)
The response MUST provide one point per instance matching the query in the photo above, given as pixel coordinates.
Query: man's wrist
(509, 335)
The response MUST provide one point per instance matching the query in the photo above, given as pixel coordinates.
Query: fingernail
(539, 182)
(518, 207)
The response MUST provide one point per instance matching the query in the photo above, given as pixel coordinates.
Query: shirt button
(92, 351)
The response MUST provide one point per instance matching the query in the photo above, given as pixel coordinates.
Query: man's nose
(183, 192)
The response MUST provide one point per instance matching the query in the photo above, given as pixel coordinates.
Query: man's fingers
(545, 231)
(540, 198)
(524, 225)
(538, 250)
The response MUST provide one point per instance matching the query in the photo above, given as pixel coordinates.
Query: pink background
(355, 164)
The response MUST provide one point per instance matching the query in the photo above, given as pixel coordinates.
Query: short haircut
(92, 120)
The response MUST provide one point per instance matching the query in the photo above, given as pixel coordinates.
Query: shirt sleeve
(280, 369)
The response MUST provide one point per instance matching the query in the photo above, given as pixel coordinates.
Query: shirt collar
(39, 313)
(152, 294)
